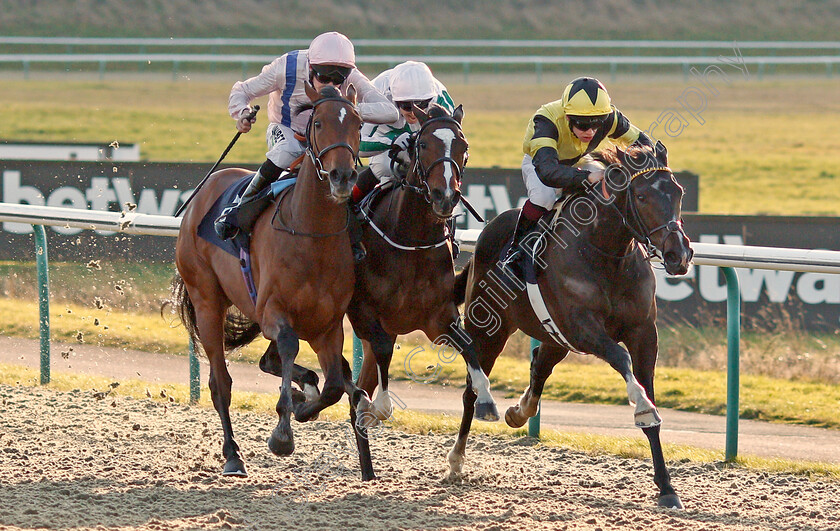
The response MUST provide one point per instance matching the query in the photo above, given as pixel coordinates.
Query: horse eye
(640, 197)
(317, 123)
(422, 144)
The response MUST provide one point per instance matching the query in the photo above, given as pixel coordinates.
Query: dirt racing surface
(83, 461)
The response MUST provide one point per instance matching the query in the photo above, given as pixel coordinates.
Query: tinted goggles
(407, 105)
(335, 75)
(587, 123)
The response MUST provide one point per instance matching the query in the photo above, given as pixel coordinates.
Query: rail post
(733, 340)
(195, 375)
(358, 354)
(534, 422)
(42, 265)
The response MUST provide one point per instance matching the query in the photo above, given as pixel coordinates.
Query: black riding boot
(523, 227)
(228, 224)
(354, 231)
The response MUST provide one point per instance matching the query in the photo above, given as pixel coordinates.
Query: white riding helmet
(412, 81)
(332, 48)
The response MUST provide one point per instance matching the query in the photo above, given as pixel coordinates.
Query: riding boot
(228, 224)
(354, 231)
(524, 225)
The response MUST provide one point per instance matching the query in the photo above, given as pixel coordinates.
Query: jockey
(407, 83)
(330, 60)
(559, 135)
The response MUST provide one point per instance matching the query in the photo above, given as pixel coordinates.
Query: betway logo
(102, 194)
(810, 288)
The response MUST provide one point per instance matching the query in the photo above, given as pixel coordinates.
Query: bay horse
(407, 281)
(302, 269)
(594, 287)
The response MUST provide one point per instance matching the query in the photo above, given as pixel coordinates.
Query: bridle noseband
(310, 140)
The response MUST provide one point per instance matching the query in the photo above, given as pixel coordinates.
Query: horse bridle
(423, 172)
(310, 141)
(643, 236)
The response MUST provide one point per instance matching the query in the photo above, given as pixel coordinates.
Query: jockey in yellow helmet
(558, 136)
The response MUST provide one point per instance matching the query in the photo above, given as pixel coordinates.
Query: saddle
(239, 245)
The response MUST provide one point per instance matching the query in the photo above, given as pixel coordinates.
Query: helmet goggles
(332, 74)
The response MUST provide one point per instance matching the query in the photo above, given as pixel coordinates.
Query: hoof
(300, 398)
(670, 501)
(486, 412)
(235, 467)
(371, 477)
(647, 419)
(513, 418)
(280, 443)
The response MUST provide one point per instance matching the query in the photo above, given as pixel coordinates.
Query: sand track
(70, 460)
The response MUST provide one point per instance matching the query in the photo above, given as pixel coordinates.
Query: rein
(640, 232)
(277, 222)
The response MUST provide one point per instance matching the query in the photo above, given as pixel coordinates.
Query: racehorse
(302, 268)
(407, 281)
(592, 287)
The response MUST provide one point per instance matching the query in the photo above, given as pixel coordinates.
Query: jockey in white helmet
(409, 83)
(330, 60)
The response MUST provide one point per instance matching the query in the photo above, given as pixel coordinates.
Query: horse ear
(458, 113)
(622, 156)
(661, 153)
(351, 93)
(420, 114)
(311, 92)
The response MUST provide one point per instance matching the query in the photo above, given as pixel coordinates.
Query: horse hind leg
(485, 405)
(281, 441)
(209, 313)
(543, 360)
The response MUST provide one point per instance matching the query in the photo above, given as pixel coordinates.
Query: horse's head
(333, 137)
(653, 206)
(438, 158)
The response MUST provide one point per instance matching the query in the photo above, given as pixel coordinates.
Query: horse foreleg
(281, 441)
(544, 358)
(455, 335)
(642, 343)
(380, 347)
(328, 347)
(306, 379)
(457, 454)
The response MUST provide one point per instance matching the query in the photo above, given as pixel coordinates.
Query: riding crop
(251, 116)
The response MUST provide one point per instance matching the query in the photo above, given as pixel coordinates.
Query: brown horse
(407, 281)
(593, 288)
(302, 267)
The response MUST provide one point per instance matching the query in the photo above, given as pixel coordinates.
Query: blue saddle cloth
(241, 240)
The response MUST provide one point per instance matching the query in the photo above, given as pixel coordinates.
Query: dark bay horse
(407, 281)
(594, 288)
(302, 267)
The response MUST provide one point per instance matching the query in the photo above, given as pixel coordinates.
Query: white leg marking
(646, 415)
(311, 392)
(481, 385)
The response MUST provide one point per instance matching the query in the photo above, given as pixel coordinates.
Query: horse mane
(609, 155)
(328, 91)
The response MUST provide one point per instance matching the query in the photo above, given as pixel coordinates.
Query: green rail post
(195, 375)
(733, 340)
(358, 354)
(534, 422)
(42, 264)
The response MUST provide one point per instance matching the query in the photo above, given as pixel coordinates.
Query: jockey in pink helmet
(330, 60)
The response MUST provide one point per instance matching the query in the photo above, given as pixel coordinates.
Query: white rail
(722, 255)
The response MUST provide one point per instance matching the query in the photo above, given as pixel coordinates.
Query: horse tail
(459, 294)
(238, 330)
(180, 300)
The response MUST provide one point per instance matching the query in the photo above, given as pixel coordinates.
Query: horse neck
(608, 232)
(312, 208)
(413, 217)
